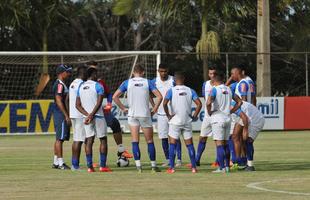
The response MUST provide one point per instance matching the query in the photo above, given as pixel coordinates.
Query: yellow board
(26, 116)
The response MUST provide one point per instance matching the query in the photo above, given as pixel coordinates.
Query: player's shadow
(282, 166)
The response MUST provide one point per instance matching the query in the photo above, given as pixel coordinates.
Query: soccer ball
(122, 162)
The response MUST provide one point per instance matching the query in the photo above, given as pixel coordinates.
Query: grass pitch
(281, 157)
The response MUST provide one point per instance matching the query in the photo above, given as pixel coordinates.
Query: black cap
(63, 68)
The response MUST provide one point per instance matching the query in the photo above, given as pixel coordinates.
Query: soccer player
(242, 87)
(76, 118)
(111, 120)
(139, 115)
(62, 120)
(205, 130)
(180, 118)
(251, 84)
(221, 97)
(163, 83)
(89, 103)
(253, 122)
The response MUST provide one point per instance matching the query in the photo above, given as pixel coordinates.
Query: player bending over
(139, 115)
(180, 118)
(89, 102)
(163, 83)
(253, 122)
(62, 120)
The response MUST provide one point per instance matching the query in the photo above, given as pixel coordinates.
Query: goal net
(30, 75)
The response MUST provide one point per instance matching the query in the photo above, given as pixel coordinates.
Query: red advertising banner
(297, 113)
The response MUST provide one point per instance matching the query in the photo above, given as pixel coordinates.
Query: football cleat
(170, 171)
(218, 170)
(155, 169)
(105, 169)
(165, 164)
(90, 170)
(95, 165)
(64, 167)
(215, 165)
(179, 163)
(194, 170)
(55, 166)
(75, 169)
(234, 167)
(249, 169)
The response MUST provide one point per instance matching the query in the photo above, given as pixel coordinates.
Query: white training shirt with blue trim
(73, 90)
(163, 87)
(138, 96)
(206, 89)
(254, 115)
(181, 98)
(222, 98)
(89, 93)
(243, 89)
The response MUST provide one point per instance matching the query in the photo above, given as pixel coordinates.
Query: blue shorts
(62, 129)
(112, 122)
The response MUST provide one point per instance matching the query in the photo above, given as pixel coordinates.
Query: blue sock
(200, 149)
(232, 150)
(227, 155)
(249, 150)
(172, 155)
(244, 160)
(103, 160)
(220, 156)
(191, 153)
(165, 145)
(136, 150)
(179, 150)
(89, 160)
(75, 163)
(151, 151)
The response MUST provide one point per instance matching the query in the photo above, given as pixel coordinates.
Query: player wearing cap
(62, 120)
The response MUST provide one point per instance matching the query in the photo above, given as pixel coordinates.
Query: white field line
(256, 185)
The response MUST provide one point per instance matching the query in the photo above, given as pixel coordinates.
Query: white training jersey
(163, 87)
(254, 115)
(181, 98)
(73, 90)
(206, 89)
(138, 96)
(243, 89)
(222, 98)
(89, 92)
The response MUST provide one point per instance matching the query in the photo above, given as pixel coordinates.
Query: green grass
(25, 172)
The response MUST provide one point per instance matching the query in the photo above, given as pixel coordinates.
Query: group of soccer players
(231, 117)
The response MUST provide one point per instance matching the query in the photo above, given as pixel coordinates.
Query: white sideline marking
(257, 186)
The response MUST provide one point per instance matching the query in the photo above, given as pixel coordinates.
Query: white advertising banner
(271, 107)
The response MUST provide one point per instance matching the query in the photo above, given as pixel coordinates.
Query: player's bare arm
(197, 109)
(209, 105)
(245, 121)
(79, 106)
(165, 105)
(118, 102)
(62, 108)
(159, 98)
(237, 105)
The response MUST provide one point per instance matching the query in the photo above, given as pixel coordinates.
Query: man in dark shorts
(62, 120)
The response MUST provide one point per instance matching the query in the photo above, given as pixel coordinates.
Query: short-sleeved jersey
(138, 96)
(206, 89)
(107, 91)
(89, 93)
(233, 88)
(243, 89)
(252, 85)
(60, 89)
(222, 98)
(254, 115)
(73, 90)
(163, 87)
(181, 98)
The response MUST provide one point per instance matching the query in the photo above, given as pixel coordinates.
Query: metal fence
(289, 70)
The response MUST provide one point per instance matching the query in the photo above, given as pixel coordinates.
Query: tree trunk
(204, 32)
(44, 48)
(263, 49)
(138, 34)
